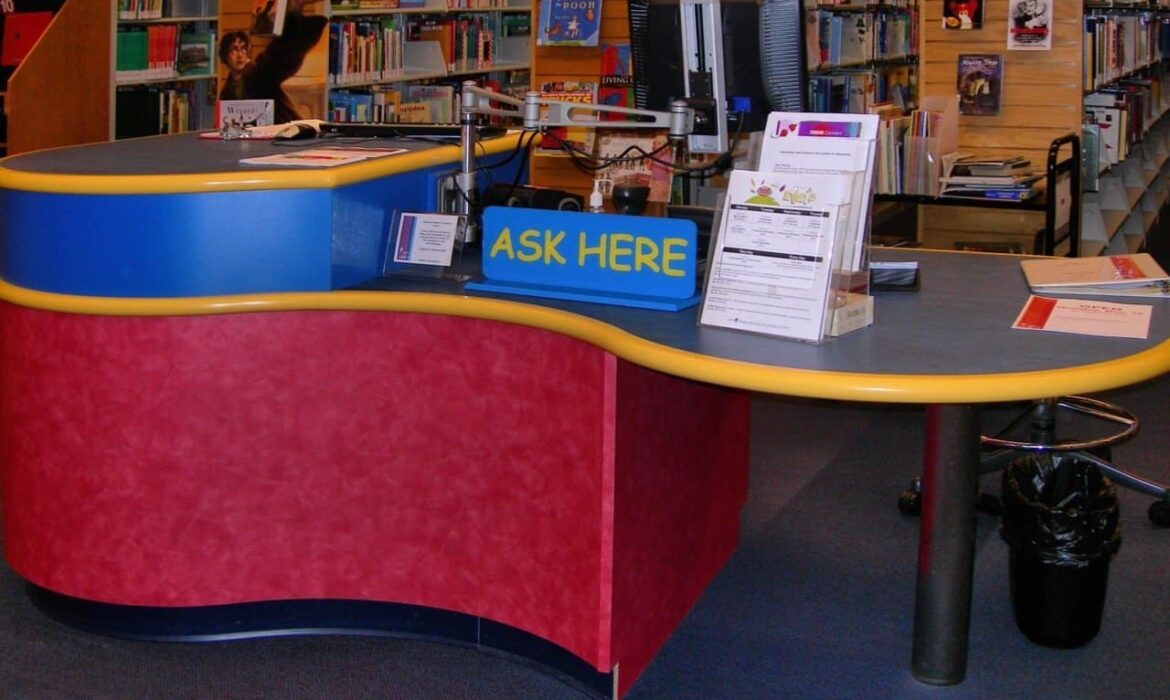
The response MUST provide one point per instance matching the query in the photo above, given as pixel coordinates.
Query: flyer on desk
(771, 269)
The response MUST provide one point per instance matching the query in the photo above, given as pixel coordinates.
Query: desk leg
(946, 545)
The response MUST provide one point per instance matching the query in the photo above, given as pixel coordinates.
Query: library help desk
(218, 420)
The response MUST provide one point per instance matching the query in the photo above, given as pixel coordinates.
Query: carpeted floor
(816, 603)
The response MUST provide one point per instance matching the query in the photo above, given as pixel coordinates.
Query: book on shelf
(974, 165)
(196, 50)
(580, 138)
(1131, 274)
(569, 23)
(21, 30)
(617, 80)
(1007, 194)
(624, 148)
(1021, 180)
(140, 9)
(442, 99)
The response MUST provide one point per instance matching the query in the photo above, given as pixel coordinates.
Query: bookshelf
(860, 54)
(377, 54)
(164, 66)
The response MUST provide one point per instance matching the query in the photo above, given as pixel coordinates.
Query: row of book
(157, 9)
(366, 51)
(1118, 116)
(162, 51)
(149, 111)
(413, 104)
(411, 4)
(843, 39)
(467, 43)
(858, 91)
(1116, 45)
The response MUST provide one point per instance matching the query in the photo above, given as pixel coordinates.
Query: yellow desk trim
(248, 180)
(847, 386)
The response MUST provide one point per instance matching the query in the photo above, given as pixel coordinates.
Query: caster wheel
(990, 504)
(1160, 513)
(910, 503)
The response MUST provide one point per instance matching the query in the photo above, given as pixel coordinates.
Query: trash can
(1061, 521)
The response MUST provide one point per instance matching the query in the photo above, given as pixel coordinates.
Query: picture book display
(1132, 275)
(569, 23)
(980, 84)
(580, 138)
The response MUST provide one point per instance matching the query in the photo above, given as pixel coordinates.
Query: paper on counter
(1085, 317)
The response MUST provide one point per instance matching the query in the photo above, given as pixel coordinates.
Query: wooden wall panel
(60, 95)
(550, 63)
(1042, 89)
(1041, 100)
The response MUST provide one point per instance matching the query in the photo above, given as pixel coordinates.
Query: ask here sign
(605, 253)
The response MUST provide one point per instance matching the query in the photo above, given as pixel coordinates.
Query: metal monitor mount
(537, 114)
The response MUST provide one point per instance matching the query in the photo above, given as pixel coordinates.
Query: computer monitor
(708, 54)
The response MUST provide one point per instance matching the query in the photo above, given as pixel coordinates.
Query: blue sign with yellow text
(640, 261)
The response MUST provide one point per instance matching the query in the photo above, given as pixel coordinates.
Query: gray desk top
(958, 325)
(185, 154)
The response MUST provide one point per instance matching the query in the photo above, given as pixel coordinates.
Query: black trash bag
(1062, 523)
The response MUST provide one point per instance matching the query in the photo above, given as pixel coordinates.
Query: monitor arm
(538, 113)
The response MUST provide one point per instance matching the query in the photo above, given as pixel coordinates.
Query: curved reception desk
(218, 419)
(205, 436)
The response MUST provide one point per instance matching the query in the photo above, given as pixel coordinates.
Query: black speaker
(532, 197)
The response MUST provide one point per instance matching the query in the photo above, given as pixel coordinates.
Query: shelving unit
(859, 54)
(162, 98)
(395, 60)
(1129, 199)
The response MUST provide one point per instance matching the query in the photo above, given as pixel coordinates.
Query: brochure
(326, 157)
(829, 144)
(771, 267)
(1085, 317)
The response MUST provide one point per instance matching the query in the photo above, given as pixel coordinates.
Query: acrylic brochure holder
(791, 245)
(425, 245)
(781, 260)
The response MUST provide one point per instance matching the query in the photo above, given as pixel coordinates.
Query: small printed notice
(426, 239)
(327, 157)
(1085, 317)
(771, 269)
